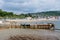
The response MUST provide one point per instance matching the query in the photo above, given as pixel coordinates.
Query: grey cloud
(30, 5)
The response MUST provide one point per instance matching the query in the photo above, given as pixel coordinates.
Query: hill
(5, 14)
(47, 13)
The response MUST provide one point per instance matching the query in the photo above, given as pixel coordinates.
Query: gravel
(29, 34)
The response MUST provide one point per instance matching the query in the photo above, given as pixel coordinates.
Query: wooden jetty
(29, 26)
(40, 26)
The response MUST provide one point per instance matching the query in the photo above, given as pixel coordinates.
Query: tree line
(5, 14)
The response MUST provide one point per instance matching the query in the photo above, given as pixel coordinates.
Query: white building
(29, 18)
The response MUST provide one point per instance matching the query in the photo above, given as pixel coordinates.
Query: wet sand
(29, 34)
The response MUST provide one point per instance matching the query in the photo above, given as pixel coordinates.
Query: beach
(35, 34)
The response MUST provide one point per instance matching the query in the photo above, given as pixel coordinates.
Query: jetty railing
(27, 26)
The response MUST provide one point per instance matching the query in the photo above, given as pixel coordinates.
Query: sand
(29, 34)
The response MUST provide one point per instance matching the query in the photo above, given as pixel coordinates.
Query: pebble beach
(34, 34)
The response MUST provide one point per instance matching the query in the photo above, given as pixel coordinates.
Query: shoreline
(28, 20)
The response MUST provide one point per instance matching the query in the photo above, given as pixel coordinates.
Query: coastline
(31, 20)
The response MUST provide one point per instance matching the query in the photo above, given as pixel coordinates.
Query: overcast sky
(21, 6)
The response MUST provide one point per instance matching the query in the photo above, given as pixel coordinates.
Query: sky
(28, 6)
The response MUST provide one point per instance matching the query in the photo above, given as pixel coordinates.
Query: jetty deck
(24, 26)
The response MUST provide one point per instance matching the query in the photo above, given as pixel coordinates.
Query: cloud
(29, 5)
(1, 3)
